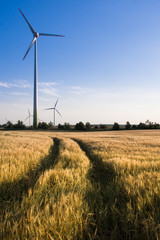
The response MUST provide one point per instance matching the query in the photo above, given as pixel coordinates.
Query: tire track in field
(102, 172)
(13, 191)
(101, 175)
(105, 196)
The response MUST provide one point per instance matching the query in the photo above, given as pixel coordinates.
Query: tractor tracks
(101, 172)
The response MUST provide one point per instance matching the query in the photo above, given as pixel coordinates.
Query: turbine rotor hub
(36, 34)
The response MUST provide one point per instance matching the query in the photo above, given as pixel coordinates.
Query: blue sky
(106, 69)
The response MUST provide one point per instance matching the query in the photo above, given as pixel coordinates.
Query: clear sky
(106, 69)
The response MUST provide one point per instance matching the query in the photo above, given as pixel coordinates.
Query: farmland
(63, 185)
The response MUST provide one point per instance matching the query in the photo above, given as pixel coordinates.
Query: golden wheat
(19, 153)
(102, 185)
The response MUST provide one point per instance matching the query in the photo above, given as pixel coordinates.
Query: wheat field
(74, 185)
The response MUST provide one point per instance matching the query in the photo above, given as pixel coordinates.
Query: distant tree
(67, 126)
(39, 125)
(95, 127)
(141, 126)
(9, 125)
(128, 125)
(103, 126)
(134, 126)
(43, 125)
(88, 126)
(156, 125)
(77, 126)
(19, 125)
(61, 127)
(80, 126)
(50, 125)
(148, 125)
(115, 126)
(148, 122)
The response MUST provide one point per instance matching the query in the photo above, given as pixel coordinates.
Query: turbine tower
(54, 112)
(34, 41)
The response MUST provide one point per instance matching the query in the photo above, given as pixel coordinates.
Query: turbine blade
(58, 112)
(52, 35)
(56, 104)
(26, 118)
(48, 108)
(34, 39)
(29, 112)
(32, 30)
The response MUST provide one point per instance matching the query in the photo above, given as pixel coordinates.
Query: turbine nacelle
(36, 35)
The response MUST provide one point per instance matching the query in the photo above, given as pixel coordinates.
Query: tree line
(80, 126)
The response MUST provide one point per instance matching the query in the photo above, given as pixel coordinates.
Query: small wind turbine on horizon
(34, 41)
(29, 115)
(54, 112)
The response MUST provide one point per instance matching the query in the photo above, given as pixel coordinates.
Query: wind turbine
(54, 112)
(34, 41)
(29, 115)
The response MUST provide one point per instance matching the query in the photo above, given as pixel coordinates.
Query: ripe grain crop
(102, 185)
(20, 153)
(53, 206)
(126, 171)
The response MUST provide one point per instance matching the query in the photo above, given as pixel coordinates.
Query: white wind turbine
(29, 115)
(34, 41)
(54, 112)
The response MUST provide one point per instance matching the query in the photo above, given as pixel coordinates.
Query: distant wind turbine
(54, 112)
(34, 41)
(29, 115)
